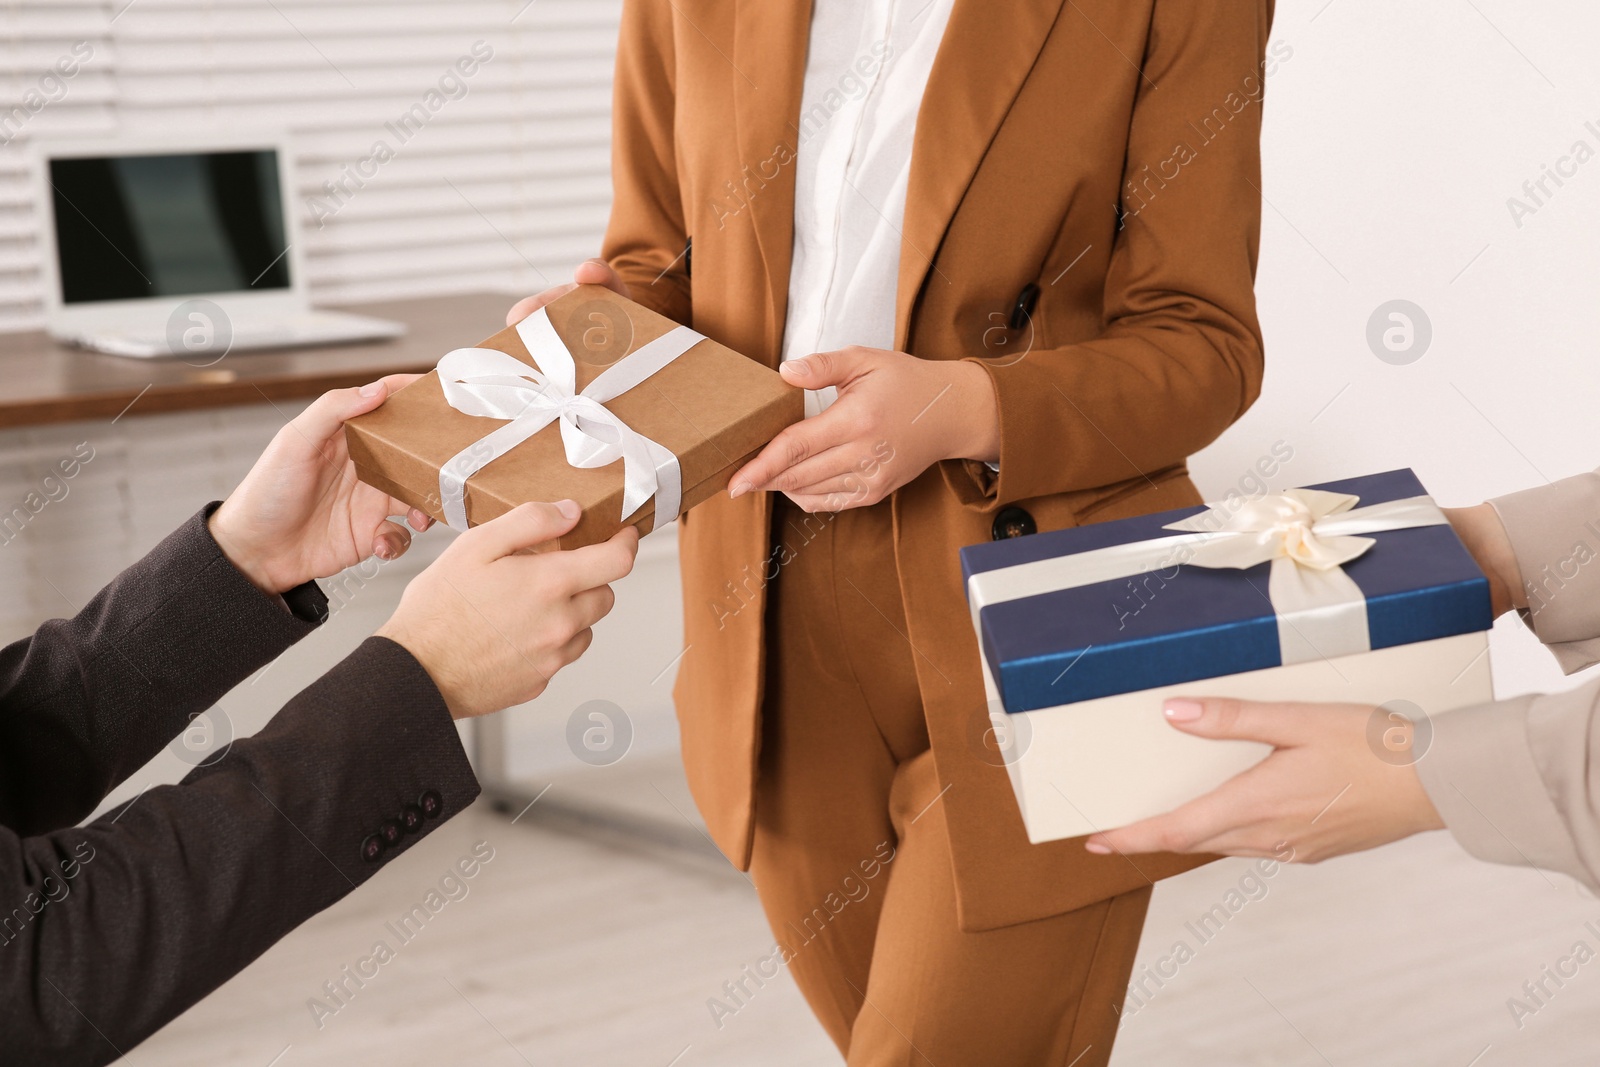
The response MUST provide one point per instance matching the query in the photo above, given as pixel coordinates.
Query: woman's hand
(300, 513)
(895, 417)
(589, 272)
(1342, 779)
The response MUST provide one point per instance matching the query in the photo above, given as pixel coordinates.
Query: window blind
(438, 147)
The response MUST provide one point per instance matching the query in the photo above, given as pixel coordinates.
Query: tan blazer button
(1013, 522)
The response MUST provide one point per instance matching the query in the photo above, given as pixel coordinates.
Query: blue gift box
(1183, 623)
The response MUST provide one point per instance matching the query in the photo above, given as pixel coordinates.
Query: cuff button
(431, 803)
(372, 848)
(391, 831)
(411, 818)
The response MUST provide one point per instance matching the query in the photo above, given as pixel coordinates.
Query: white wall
(1395, 135)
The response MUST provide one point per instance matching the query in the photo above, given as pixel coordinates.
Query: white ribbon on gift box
(493, 385)
(1306, 534)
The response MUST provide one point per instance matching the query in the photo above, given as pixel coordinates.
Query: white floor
(563, 952)
(571, 951)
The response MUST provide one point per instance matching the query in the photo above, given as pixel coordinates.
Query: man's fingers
(529, 304)
(1279, 725)
(596, 565)
(523, 527)
(327, 414)
(576, 647)
(390, 540)
(592, 605)
(790, 448)
(399, 510)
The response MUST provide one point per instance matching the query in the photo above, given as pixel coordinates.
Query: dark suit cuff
(245, 609)
(308, 603)
(380, 707)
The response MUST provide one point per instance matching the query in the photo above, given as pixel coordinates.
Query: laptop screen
(136, 226)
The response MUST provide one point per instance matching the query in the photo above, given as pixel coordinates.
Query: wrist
(245, 559)
(1424, 816)
(1484, 535)
(980, 439)
(431, 663)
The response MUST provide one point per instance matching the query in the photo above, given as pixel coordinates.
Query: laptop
(173, 249)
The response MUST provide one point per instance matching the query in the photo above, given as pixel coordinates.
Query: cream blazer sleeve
(1518, 781)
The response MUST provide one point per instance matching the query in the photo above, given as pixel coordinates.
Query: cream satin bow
(1307, 535)
(490, 384)
(1293, 525)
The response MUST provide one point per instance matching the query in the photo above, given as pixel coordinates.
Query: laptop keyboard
(288, 331)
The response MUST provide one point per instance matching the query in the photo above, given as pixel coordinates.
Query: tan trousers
(851, 857)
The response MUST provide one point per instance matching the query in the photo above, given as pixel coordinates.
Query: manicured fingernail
(372, 390)
(384, 550)
(1097, 848)
(739, 489)
(1183, 710)
(798, 367)
(569, 508)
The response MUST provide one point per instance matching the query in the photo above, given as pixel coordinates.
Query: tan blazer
(1040, 118)
(1518, 781)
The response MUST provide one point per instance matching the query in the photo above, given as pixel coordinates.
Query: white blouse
(865, 73)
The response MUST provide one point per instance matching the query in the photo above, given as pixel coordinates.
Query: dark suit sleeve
(87, 701)
(109, 931)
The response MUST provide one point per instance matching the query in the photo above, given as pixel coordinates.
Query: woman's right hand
(493, 618)
(589, 272)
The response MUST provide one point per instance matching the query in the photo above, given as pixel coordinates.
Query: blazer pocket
(1161, 491)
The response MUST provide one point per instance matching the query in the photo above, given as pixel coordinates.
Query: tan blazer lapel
(986, 54)
(769, 57)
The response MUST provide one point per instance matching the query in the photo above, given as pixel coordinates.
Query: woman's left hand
(896, 416)
(1342, 779)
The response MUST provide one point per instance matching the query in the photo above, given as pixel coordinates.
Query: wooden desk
(42, 381)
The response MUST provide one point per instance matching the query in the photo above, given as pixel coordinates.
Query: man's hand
(300, 513)
(492, 619)
(589, 272)
(1328, 789)
(895, 417)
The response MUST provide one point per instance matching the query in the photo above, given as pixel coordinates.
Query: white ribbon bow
(1306, 534)
(493, 385)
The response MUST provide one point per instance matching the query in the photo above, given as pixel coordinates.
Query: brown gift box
(712, 407)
